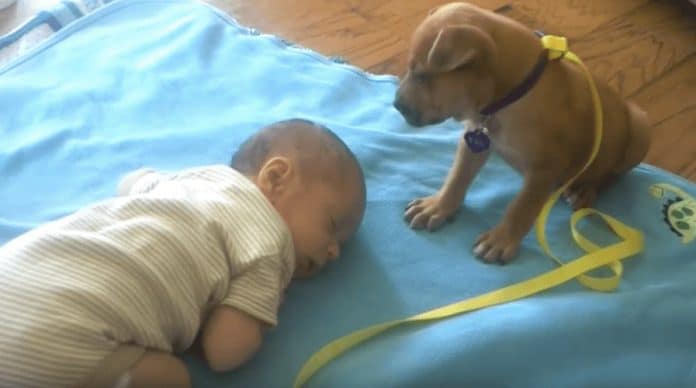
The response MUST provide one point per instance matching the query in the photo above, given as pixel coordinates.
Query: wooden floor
(646, 49)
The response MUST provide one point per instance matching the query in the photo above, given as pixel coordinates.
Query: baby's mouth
(311, 266)
(303, 268)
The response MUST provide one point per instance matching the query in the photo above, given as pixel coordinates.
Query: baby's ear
(274, 175)
(433, 9)
(458, 45)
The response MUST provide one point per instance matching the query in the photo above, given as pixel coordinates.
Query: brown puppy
(462, 59)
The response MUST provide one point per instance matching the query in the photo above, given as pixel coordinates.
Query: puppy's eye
(464, 66)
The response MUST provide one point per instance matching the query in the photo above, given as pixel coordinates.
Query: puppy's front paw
(497, 245)
(429, 212)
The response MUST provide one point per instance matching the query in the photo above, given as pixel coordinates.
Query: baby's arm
(233, 332)
(137, 181)
(230, 337)
(144, 180)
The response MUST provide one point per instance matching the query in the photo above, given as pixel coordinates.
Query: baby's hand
(127, 182)
(230, 337)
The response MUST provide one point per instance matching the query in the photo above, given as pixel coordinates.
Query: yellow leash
(631, 244)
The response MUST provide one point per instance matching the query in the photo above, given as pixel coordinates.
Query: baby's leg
(134, 367)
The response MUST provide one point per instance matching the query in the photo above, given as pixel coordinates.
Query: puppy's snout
(409, 114)
(401, 107)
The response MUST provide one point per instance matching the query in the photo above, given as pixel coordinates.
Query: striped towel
(42, 25)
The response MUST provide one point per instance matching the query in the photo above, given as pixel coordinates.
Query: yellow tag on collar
(557, 45)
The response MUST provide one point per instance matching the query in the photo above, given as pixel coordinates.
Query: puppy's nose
(411, 116)
(401, 107)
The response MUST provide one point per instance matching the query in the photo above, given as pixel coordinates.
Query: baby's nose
(334, 252)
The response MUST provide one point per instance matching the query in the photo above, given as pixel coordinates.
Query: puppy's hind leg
(583, 194)
(638, 139)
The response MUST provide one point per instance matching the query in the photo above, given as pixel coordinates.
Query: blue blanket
(174, 84)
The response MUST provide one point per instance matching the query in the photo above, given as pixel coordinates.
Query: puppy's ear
(455, 46)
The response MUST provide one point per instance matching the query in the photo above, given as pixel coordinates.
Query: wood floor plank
(569, 17)
(370, 34)
(638, 47)
(671, 105)
(673, 148)
(672, 94)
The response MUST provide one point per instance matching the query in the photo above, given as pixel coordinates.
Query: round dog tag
(477, 140)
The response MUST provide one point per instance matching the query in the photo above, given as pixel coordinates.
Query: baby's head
(314, 182)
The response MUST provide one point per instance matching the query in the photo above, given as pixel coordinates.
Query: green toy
(679, 211)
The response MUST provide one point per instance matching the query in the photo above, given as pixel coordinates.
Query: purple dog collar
(478, 140)
(525, 86)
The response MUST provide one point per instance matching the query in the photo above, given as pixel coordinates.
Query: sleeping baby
(107, 296)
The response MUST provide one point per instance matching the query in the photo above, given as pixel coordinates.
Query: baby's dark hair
(315, 145)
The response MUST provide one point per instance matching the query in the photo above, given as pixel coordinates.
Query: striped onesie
(142, 269)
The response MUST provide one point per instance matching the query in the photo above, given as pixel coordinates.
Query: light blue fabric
(173, 84)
